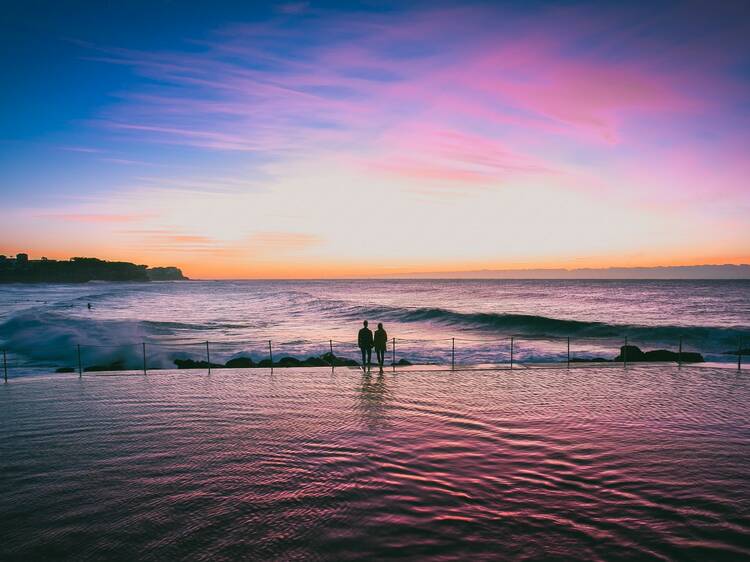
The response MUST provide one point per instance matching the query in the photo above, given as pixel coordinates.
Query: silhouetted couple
(366, 341)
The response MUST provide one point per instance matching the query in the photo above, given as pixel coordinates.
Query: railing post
(80, 365)
(270, 354)
(625, 354)
(393, 349)
(568, 352)
(5, 366)
(453, 354)
(511, 352)
(679, 355)
(208, 358)
(330, 343)
(144, 359)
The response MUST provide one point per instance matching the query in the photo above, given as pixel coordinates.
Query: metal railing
(510, 351)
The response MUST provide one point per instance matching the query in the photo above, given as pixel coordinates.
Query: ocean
(433, 321)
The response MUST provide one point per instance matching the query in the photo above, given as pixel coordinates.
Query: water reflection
(374, 395)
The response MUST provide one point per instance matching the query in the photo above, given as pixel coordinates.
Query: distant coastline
(696, 272)
(21, 269)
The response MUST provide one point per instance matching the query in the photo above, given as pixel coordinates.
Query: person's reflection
(374, 395)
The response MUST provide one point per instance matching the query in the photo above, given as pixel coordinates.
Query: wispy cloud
(175, 241)
(85, 149)
(282, 241)
(126, 162)
(338, 81)
(95, 218)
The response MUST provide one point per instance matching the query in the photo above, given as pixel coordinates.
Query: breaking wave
(543, 326)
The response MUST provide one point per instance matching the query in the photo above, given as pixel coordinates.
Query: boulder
(240, 363)
(692, 357)
(634, 354)
(315, 362)
(65, 370)
(331, 359)
(193, 364)
(288, 362)
(114, 366)
(630, 353)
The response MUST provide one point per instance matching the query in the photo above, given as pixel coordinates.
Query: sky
(335, 139)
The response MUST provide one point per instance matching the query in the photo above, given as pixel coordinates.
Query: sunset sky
(314, 139)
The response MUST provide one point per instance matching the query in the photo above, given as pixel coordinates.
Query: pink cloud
(490, 97)
(451, 156)
(419, 170)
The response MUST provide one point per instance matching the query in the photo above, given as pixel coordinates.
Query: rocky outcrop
(165, 274)
(633, 354)
(80, 270)
(240, 363)
(325, 360)
(192, 364)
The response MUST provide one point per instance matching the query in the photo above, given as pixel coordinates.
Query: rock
(114, 366)
(65, 370)
(634, 354)
(288, 362)
(630, 353)
(315, 362)
(192, 364)
(589, 360)
(240, 363)
(403, 363)
(660, 355)
(331, 359)
(246, 362)
(692, 357)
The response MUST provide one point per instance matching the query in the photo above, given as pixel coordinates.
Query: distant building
(22, 259)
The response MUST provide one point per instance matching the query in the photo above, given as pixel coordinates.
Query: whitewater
(42, 325)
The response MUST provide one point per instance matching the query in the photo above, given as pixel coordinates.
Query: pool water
(306, 464)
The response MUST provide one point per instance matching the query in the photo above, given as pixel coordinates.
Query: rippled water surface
(313, 465)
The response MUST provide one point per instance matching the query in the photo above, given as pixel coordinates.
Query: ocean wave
(52, 338)
(543, 326)
(48, 337)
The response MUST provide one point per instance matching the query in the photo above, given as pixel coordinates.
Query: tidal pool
(305, 464)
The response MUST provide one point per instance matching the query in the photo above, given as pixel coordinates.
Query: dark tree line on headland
(80, 270)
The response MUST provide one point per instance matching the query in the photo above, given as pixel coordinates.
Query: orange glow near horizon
(305, 269)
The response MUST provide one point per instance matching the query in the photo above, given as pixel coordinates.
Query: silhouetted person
(89, 306)
(364, 341)
(381, 338)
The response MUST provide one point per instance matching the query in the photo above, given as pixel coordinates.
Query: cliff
(165, 274)
(80, 270)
